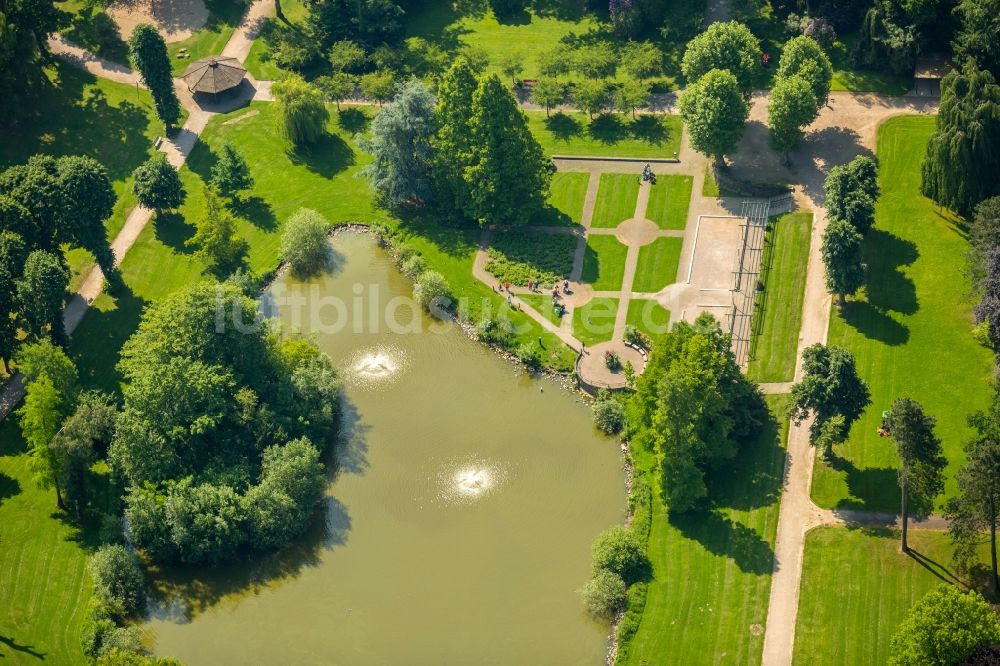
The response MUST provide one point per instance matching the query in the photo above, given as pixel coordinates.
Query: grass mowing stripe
(909, 329)
(708, 600)
(657, 266)
(604, 263)
(778, 312)
(648, 316)
(850, 619)
(567, 194)
(669, 201)
(616, 199)
(594, 321)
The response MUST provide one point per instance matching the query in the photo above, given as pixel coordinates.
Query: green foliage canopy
(148, 52)
(729, 46)
(944, 628)
(715, 113)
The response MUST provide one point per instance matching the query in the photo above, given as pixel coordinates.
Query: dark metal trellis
(755, 214)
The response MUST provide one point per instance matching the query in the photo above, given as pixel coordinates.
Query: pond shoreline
(566, 380)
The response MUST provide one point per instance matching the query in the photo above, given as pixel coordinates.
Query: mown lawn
(669, 201)
(778, 312)
(604, 263)
(324, 179)
(44, 583)
(616, 199)
(79, 114)
(857, 587)
(530, 33)
(658, 264)
(606, 135)
(910, 330)
(594, 322)
(223, 17)
(707, 602)
(543, 304)
(566, 196)
(648, 316)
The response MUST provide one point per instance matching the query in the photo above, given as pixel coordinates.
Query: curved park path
(176, 148)
(845, 128)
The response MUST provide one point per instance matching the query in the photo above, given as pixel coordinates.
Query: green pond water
(457, 526)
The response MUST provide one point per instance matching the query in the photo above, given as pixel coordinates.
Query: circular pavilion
(214, 74)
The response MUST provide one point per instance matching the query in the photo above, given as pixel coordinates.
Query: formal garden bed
(518, 258)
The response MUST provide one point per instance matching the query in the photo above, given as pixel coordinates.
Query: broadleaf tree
(715, 113)
(843, 260)
(791, 107)
(963, 154)
(976, 509)
(728, 46)
(831, 392)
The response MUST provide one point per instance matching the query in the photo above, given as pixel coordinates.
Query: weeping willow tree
(885, 43)
(963, 154)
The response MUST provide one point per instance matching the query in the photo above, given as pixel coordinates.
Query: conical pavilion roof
(214, 74)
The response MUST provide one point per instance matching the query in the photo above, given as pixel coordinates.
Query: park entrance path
(176, 149)
(846, 127)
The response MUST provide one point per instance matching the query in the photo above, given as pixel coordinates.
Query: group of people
(535, 287)
(648, 175)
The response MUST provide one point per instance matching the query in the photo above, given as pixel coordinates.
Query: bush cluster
(304, 243)
(608, 413)
(618, 560)
(216, 441)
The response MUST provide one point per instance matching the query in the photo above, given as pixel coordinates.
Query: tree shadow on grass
(353, 120)
(97, 32)
(649, 128)
(11, 441)
(870, 488)
(255, 210)
(563, 127)
(453, 237)
(935, 568)
(19, 647)
(873, 323)
(608, 128)
(328, 156)
(885, 284)
(722, 536)
(173, 231)
(96, 344)
(564, 10)
(9, 487)
(62, 117)
(513, 16)
(761, 463)
(591, 266)
(550, 216)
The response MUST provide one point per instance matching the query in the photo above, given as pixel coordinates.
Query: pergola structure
(214, 74)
